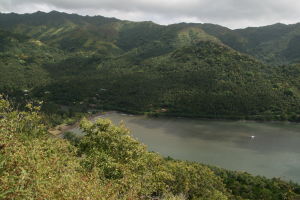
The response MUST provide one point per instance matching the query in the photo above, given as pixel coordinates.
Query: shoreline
(62, 128)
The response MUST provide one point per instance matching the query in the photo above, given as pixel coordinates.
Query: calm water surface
(274, 151)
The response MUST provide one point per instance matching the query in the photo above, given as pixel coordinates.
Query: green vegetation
(107, 163)
(202, 80)
(274, 44)
(84, 63)
(77, 64)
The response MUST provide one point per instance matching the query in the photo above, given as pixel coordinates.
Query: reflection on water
(269, 149)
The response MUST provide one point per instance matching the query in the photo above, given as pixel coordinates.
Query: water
(268, 149)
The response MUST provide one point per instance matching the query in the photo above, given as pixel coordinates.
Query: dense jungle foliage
(107, 163)
(78, 64)
(182, 69)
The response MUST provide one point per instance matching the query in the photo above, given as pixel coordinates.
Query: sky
(230, 13)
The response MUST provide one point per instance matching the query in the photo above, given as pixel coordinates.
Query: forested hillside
(274, 44)
(73, 65)
(107, 163)
(21, 61)
(182, 69)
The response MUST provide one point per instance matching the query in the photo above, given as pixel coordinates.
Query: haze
(230, 13)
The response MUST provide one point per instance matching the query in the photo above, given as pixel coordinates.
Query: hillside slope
(205, 79)
(273, 44)
(21, 61)
(71, 32)
(180, 69)
(107, 163)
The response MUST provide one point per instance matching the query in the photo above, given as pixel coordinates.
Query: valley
(218, 108)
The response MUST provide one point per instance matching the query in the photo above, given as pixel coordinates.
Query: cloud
(231, 13)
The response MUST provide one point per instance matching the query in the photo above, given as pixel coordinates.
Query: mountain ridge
(102, 16)
(272, 44)
(137, 64)
(68, 66)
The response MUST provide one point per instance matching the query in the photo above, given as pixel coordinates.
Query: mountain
(78, 64)
(274, 44)
(205, 79)
(21, 61)
(200, 70)
(79, 33)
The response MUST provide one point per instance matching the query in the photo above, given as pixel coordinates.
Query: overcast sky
(230, 13)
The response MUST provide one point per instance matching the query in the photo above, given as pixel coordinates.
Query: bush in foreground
(107, 163)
